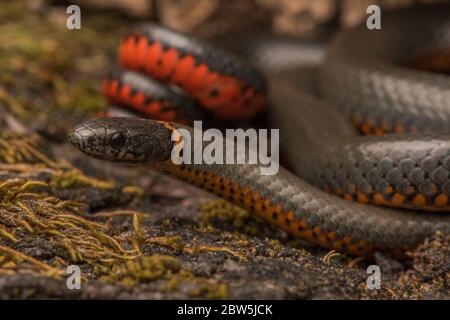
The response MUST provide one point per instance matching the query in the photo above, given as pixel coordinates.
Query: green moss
(29, 214)
(45, 67)
(225, 211)
(144, 269)
(81, 96)
(75, 178)
(197, 287)
(172, 242)
(161, 267)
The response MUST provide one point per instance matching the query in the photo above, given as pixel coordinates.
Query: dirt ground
(136, 234)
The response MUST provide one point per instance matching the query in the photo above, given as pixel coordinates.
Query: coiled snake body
(365, 81)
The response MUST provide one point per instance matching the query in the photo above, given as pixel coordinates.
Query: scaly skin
(397, 170)
(366, 79)
(221, 83)
(283, 199)
(131, 89)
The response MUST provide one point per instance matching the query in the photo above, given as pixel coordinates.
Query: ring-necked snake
(366, 80)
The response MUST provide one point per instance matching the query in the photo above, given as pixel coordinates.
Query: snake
(386, 190)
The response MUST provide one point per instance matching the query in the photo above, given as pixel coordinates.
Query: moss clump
(144, 269)
(15, 148)
(20, 154)
(226, 212)
(204, 248)
(75, 178)
(26, 213)
(83, 95)
(197, 286)
(172, 242)
(16, 106)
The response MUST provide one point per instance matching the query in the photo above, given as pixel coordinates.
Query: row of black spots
(200, 181)
(150, 42)
(409, 199)
(180, 51)
(196, 172)
(181, 54)
(252, 206)
(238, 196)
(243, 89)
(164, 104)
(189, 176)
(184, 174)
(204, 182)
(221, 183)
(227, 196)
(220, 191)
(279, 218)
(197, 62)
(120, 85)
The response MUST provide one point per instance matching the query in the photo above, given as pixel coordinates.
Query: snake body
(405, 171)
(366, 79)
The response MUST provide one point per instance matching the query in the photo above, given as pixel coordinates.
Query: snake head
(127, 140)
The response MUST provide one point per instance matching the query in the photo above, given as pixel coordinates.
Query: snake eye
(118, 140)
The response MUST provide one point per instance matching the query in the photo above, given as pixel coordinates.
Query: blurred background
(210, 17)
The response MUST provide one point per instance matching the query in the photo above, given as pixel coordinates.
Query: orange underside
(122, 94)
(225, 96)
(398, 200)
(367, 127)
(271, 212)
(390, 198)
